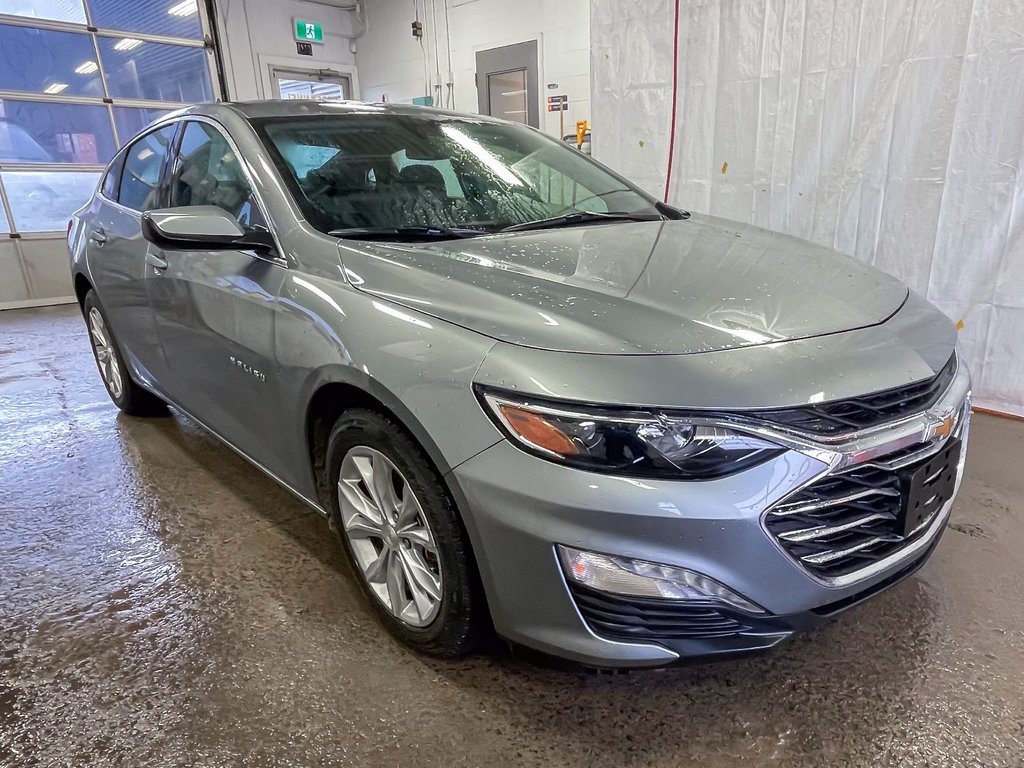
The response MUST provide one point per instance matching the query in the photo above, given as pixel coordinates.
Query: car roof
(307, 107)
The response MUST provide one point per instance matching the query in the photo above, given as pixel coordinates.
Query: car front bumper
(518, 508)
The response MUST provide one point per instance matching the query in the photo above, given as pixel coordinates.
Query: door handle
(156, 262)
(98, 236)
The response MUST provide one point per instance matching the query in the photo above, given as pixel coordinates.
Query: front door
(215, 310)
(290, 83)
(506, 83)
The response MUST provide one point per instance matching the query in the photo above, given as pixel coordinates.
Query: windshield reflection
(432, 176)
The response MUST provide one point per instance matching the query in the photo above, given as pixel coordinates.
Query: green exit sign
(308, 32)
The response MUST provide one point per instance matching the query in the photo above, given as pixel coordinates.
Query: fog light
(639, 578)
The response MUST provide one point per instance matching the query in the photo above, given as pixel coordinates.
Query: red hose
(675, 97)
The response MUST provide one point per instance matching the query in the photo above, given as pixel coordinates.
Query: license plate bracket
(925, 488)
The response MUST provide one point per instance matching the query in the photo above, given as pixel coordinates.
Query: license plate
(926, 488)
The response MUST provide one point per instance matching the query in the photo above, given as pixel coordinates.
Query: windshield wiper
(581, 217)
(406, 233)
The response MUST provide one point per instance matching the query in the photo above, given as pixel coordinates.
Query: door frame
(302, 64)
(510, 58)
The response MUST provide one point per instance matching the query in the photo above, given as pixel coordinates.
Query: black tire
(132, 399)
(455, 630)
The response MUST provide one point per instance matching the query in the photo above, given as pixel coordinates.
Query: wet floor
(163, 603)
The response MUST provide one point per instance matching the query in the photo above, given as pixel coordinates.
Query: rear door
(215, 310)
(117, 250)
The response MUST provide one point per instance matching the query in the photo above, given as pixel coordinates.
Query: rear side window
(140, 180)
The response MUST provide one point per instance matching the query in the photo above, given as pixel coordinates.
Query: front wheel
(126, 394)
(399, 527)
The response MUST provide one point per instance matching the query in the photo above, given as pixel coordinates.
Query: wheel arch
(336, 390)
(82, 287)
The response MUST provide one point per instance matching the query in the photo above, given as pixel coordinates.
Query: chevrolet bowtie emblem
(945, 427)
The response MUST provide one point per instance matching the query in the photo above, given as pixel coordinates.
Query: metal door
(506, 83)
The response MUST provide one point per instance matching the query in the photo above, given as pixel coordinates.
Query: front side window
(140, 179)
(373, 170)
(207, 172)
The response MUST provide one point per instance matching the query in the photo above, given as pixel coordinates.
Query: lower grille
(635, 618)
(846, 521)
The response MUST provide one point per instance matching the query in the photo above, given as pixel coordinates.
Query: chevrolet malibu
(526, 395)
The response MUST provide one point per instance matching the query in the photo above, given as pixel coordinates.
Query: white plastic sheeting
(892, 130)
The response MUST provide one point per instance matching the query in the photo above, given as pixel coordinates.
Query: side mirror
(201, 228)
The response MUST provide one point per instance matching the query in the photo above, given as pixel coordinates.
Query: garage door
(78, 78)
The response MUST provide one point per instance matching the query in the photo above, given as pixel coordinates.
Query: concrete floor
(164, 603)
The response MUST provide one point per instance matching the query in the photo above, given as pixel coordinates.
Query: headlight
(626, 442)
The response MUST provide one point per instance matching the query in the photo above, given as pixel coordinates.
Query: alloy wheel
(389, 536)
(110, 370)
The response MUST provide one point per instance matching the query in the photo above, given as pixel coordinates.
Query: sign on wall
(308, 32)
(558, 103)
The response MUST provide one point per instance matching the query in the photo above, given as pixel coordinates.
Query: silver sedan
(528, 397)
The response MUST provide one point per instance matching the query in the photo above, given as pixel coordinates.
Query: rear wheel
(126, 394)
(399, 527)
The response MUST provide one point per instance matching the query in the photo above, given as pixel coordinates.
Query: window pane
(507, 94)
(60, 10)
(207, 173)
(4, 226)
(37, 132)
(43, 201)
(132, 120)
(173, 18)
(309, 89)
(48, 62)
(140, 180)
(144, 70)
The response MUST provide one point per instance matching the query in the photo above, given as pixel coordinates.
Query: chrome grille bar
(835, 554)
(821, 531)
(786, 510)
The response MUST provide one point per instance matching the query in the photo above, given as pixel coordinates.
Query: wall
(888, 129)
(631, 55)
(255, 33)
(392, 63)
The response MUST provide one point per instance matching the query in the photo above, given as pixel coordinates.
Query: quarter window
(140, 180)
(207, 172)
(108, 187)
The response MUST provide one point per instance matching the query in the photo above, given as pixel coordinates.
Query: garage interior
(162, 602)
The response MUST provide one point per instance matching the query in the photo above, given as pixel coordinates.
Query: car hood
(673, 287)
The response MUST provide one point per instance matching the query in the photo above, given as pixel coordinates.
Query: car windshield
(407, 173)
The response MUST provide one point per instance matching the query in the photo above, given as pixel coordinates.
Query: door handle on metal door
(156, 262)
(98, 236)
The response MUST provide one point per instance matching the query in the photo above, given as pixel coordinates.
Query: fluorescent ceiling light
(55, 88)
(127, 44)
(86, 68)
(184, 8)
